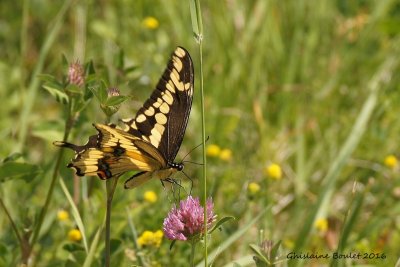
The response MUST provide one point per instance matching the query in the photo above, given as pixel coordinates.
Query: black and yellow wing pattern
(150, 142)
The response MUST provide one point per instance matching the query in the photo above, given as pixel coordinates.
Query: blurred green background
(310, 88)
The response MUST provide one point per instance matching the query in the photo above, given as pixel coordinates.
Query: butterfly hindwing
(111, 153)
(164, 116)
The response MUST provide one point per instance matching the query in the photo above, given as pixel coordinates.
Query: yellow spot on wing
(94, 154)
(90, 168)
(170, 86)
(176, 80)
(177, 63)
(154, 141)
(108, 149)
(180, 52)
(164, 108)
(160, 128)
(167, 97)
(161, 118)
(149, 111)
(156, 134)
(141, 118)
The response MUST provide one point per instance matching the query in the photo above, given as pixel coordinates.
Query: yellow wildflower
(62, 215)
(159, 234)
(150, 23)
(391, 161)
(213, 150)
(274, 171)
(150, 196)
(149, 238)
(74, 235)
(321, 224)
(253, 188)
(225, 154)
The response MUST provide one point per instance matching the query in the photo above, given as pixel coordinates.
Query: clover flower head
(113, 91)
(76, 74)
(187, 221)
(111, 109)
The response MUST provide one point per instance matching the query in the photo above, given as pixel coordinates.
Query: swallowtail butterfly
(149, 142)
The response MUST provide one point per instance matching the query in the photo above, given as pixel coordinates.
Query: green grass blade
(93, 247)
(350, 223)
(197, 24)
(135, 237)
(398, 263)
(75, 213)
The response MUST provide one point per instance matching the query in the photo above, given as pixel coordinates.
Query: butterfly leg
(175, 182)
(191, 182)
(191, 186)
(177, 193)
(171, 181)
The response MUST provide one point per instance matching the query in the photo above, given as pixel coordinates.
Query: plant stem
(22, 244)
(111, 184)
(203, 126)
(38, 226)
(193, 249)
(198, 30)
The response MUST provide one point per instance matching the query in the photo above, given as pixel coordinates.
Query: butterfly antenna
(192, 162)
(208, 137)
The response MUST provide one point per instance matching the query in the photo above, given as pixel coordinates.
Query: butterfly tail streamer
(66, 144)
(91, 143)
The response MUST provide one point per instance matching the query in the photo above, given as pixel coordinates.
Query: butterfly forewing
(151, 140)
(164, 116)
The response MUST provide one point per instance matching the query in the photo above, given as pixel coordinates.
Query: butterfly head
(178, 166)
